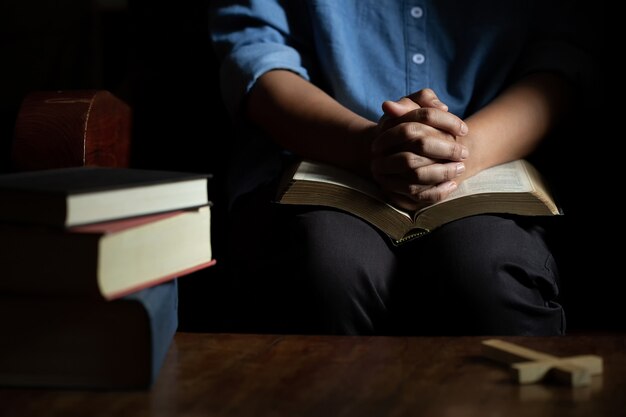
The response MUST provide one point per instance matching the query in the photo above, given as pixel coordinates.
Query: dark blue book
(66, 197)
(86, 343)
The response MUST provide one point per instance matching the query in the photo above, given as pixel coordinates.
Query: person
(417, 96)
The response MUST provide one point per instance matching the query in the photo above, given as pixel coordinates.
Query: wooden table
(326, 376)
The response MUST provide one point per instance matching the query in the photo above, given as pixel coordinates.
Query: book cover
(105, 260)
(83, 343)
(66, 197)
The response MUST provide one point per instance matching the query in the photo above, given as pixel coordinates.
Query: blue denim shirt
(363, 52)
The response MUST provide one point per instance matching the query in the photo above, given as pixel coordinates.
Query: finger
(416, 169)
(438, 119)
(425, 198)
(404, 202)
(439, 149)
(397, 184)
(399, 108)
(415, 195)
(397, 136)
(435, 118)
(436, 193)
(436, 173)
(399, 163)
(427, 98)
(421, 140)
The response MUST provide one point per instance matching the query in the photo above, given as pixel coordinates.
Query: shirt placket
(416, 46)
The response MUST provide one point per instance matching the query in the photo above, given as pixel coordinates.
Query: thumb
(400, 107)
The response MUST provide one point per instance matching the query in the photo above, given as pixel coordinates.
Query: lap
(333, 264)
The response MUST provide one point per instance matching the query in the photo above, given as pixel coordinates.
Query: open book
(514, 188)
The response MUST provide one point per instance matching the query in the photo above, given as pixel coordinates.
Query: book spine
(161, 305)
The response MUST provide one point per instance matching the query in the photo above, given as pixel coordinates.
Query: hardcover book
(84, 343)
(105, 260)
(514, 188)
(66, 197)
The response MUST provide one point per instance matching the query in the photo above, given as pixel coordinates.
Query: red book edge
(113, 226)
(161, 280)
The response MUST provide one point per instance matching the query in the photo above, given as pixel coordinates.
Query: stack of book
(90, 259)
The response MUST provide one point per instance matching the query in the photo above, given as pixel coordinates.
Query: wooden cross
(531, 366)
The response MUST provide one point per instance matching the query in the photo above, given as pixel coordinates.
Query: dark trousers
(317, 270)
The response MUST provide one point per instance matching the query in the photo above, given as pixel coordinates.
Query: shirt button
(417, 12)
(418, 59)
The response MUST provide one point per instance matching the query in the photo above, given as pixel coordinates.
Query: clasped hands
(416, 156)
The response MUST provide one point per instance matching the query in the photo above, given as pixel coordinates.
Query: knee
(348, 283)
(506, 283)
(489, 255)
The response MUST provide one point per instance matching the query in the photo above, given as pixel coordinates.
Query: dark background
(156, 56)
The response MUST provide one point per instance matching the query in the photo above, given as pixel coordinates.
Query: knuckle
(412, 130)
(456, 151)
(418, 95)
(416, 191)
(404, 159)
(426, 115)
(429, 90)
(427, 93)
(448, 136)
(414, 161)
(432, 147)
(447, 173)
(435, 195)
(452, 172)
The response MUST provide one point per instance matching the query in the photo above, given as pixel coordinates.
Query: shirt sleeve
(251, 38)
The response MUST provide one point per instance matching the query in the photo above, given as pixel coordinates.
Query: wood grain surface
(327, 376)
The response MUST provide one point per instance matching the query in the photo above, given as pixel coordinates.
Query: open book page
(517, 176)
(319, 172)
(309, 171)
(514, 187)
(510, 177)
